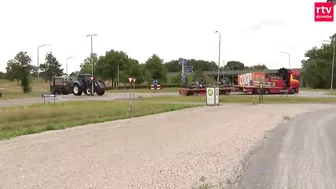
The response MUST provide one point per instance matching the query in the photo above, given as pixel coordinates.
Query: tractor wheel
(100, 92)
(77, 90)
(87, 91)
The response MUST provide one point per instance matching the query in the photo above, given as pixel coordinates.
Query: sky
(252, 31)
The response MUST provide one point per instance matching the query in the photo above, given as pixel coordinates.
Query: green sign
(210, 92)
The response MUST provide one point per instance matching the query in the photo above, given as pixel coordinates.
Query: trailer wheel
(266, 92)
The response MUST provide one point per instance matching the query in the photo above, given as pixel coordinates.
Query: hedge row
(143, 87)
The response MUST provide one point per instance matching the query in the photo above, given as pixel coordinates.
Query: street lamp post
(288, 58)
(333, 63)
(66, 65)
(219, 48)
(38, 59)
(91, 35)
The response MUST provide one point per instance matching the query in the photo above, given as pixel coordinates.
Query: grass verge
(37, 118)
(18, 95)
(243, 99)
(164, 90)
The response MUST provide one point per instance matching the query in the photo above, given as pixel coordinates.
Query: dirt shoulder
(178, 149)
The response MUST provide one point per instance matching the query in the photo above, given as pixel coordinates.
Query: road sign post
(44, 96)
(92, 91)
(131, 81)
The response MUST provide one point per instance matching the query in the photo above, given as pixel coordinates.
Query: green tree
(51, 67)
(154, 66)
(198, 74)
(2, 75)
(13, 70)
(173, 66)
(22, 68)
(234, 65)
(317, 67)
(86, 66)
(258, 67)
(108, 66)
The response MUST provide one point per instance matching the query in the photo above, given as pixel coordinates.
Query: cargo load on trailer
(284, 81)
(199, 88)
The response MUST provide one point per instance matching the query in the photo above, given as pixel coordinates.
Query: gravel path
(178, 149)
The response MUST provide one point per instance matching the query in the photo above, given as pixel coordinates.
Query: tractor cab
(61, 85)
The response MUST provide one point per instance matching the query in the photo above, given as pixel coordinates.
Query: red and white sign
(91, 78)
(324, 12)
(131, 79)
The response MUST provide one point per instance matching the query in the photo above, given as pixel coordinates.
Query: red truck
(284, 81)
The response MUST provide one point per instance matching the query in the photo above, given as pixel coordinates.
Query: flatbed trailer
(266, 90)
(202, 91)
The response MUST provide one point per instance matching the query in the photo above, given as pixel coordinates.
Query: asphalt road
(115, 96)
(300, 154)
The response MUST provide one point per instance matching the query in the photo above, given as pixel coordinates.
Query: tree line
(114, 66)
(317, 65)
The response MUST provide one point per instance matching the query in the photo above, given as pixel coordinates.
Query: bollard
(253, 100)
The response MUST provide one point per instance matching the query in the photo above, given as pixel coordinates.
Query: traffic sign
(188, 69)
(130, 79)
(91, 78)
(134, 79)
(251, 82)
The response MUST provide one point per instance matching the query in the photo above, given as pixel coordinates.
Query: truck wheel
(293, 91)
(59, 92)
(77, 90)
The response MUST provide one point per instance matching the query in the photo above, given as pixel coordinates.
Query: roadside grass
(243, 99)
(37, 118)
(10, 89)
(10, 86)
(18, 95)
(164, 90)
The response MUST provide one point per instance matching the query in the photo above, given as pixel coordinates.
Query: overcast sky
(253, 31)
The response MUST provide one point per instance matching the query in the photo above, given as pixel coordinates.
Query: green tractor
(61, 85)
(85, 83)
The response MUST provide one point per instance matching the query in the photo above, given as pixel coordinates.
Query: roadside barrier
(44, 96)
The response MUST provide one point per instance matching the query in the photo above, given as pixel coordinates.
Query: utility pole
(66, 65)
(118, 72)
(223, 71)
(333, 66)
(38, 59)
(219, 48)
(289, 62)
(91, 35)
